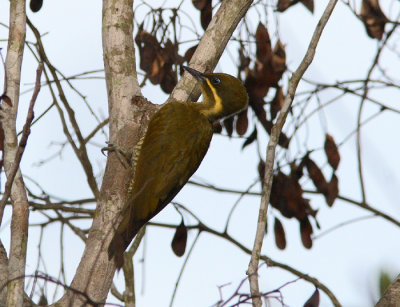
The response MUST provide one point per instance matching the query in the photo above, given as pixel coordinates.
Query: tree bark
(20, 212)
(391, 297)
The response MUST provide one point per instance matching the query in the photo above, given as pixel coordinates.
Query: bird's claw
(121, 154)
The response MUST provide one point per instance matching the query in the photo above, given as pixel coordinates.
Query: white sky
(347, 260)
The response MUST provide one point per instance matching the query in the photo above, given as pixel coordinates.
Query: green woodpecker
(175, 143)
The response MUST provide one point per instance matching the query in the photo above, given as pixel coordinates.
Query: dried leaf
(244, 61)
(283, 5)
(250, 139)
(35, 5)
(199, 4)
(148, 47)
(263, 43)
(309, 4)
(374, 19)
(280, 237)
(306, 232)
(169, 81)
(313, 301)
(178, 243)
(228, 124)
(296, 170)
(276, 103)
(332, 190)
(279, 60)
(242, 122)
(217, 127)
(189, 53)
(286, 196)
(331, 151)
(206, 15)
(256, 86)
(157, 71)
(316, 175)
(283, 140)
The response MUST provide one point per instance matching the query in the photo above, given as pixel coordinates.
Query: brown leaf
(332, 190)
(242, 122)
(170, 53)
(148, 47)
(169, 81)
(309, 4)
(296, 170)
(217, 127)
(286, 196)
(331, 151)
(251, 138)
(313, 301)
(276, 103)
(263, 43)
(178, 243)
(206, 15)
(373, 17)
(306, 232)
(280, 237)
(189, 53)
(279, 60)
(283, 5)
(199, 4)
(244, 61)
(157, 71)
(228, 124)
(256, 86)
(316, 175)
(35, 5)
(283, 140)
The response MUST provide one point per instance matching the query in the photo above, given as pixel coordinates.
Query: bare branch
(272, 143)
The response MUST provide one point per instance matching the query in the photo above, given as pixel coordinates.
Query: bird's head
(224, 95)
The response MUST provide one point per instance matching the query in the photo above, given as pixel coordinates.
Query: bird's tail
(123, 236)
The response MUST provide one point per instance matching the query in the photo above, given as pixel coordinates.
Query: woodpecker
(175, 143)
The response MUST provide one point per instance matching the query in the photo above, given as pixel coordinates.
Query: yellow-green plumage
(175, 143)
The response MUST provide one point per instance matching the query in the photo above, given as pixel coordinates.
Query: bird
(172, 148)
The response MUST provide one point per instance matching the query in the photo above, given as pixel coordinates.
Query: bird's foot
(123, 156)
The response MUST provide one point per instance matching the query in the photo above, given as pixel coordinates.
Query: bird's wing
(176, 143)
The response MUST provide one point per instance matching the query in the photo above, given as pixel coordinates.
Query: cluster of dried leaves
(287, 192)
(159, 59)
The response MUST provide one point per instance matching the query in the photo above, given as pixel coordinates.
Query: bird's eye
(215, 80)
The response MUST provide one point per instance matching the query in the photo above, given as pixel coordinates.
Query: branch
(22, 143)
(391, 297)
(272, 143)
(20, 212)
(270, 262)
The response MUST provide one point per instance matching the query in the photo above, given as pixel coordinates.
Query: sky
(348, 260)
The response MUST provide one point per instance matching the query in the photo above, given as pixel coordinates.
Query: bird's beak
(198, 75)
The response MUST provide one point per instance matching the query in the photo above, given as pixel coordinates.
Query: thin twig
(272, 143)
